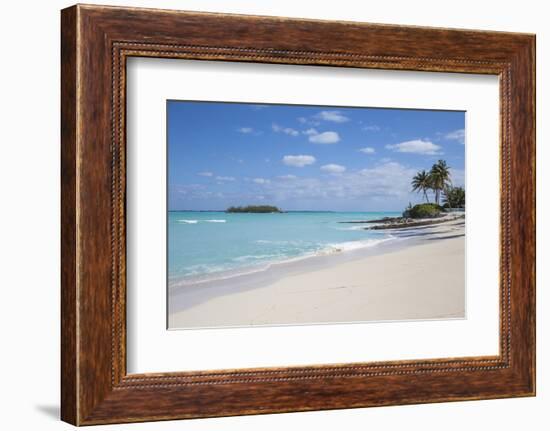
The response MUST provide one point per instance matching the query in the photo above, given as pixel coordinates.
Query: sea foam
(186, 221)
(352, 245)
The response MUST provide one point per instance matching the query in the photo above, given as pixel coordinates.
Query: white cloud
(368, 150)
(310, 132)
(387, 184)
(205, 174)
(287, 177)
(245, 130)
(416, 146)
(261, 181)
(187, 189)
(298, 161)
(325, 138)
(333, 168)
(387, 179)
(334, 116)
(308, 121)
(287, 130)
(456, 135)
(221, 178)
(371, 128)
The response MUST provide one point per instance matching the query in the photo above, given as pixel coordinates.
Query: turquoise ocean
(211, 245)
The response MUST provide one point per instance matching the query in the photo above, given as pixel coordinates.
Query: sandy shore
(420, 276)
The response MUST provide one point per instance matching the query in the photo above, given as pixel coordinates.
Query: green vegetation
(422, 182)
(455, 197)
(423, 211)
(440, 177)
(254, 209)
(437, 180)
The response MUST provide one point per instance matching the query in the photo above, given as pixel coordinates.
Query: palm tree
(422, 182)
(455, 197)
(440, 175)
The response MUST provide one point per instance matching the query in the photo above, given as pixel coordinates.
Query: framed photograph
(271, 224)
(263, 214)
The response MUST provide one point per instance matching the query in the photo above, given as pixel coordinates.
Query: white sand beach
(420, 276)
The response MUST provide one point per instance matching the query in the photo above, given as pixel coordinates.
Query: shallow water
(207, 245)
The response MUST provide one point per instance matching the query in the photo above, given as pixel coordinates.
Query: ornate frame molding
(96, 41)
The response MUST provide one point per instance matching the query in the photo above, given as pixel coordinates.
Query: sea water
(208, 245)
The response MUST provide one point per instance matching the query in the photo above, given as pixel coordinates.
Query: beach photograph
(299, 214)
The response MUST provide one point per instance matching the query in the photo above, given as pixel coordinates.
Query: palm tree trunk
(426, 196)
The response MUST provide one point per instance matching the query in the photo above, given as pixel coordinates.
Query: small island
(254, 209)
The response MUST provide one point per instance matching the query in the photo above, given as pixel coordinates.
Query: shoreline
(405, 222)
(309, 259)
(238, 300)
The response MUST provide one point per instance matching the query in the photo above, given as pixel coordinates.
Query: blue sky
(305, 157)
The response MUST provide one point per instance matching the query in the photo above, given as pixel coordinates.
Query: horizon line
(301, 210)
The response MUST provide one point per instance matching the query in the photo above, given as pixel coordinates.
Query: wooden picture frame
(95, 43)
